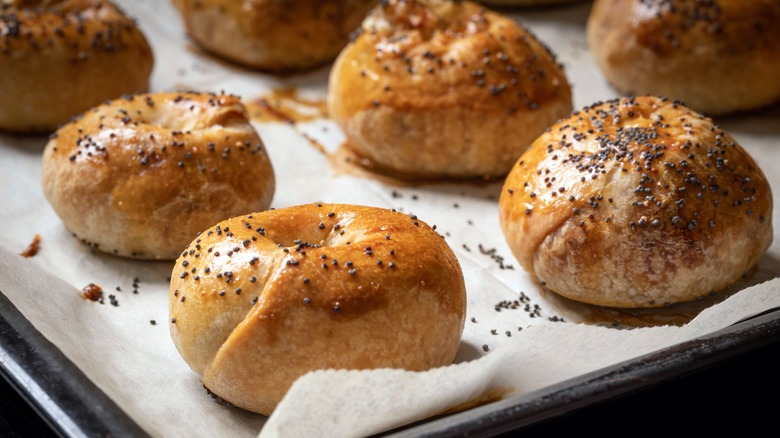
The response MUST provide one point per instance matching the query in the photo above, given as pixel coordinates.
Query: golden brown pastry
(59, 58)
(717, 56)
(637, 202)
(140, 176)
(259, 300)
(438, 89)
(274, 35)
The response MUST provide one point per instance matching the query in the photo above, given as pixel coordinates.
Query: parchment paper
(126, 348)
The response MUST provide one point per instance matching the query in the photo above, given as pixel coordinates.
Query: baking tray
(73, 406)
(60, 393)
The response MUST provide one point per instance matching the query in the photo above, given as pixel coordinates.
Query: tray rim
(73, 406)
(605, 384)
(62, 395)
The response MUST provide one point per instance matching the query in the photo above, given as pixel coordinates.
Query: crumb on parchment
(33, 248)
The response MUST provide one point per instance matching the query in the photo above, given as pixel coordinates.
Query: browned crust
(141, 176)
(719, 57)
(637, 202)
(271, 34)
(440, 89)
(259, 300)
(60, 60)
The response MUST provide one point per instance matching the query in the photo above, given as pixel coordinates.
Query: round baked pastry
(436, 89)
(259, 300)
(637, 202)
(274, 35)
(59, 58)
(141, 176)
(718, 56)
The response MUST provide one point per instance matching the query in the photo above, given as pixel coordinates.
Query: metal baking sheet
(63, 396)
(72, 406)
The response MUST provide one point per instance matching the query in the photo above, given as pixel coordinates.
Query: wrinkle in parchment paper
(329, 403)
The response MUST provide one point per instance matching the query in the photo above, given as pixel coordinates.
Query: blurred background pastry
(717, 56)
(274, 35)
(59, 58)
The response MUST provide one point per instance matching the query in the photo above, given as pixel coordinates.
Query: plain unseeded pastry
(636, 202)
(273, 35)
(258, 300)
(717, 56)
(142, 175)
(434, 89)
(59, 58)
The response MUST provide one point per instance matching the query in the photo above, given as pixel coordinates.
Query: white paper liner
(135, 363)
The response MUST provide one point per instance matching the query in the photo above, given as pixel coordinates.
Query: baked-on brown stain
(285, 105)
(346, 160)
